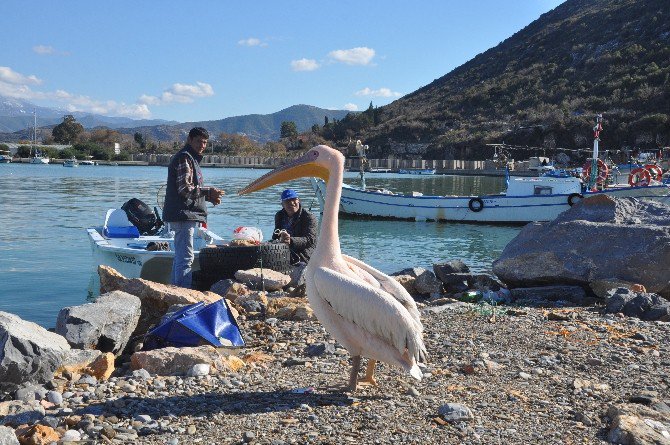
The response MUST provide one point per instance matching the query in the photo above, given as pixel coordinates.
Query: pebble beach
(510, 375)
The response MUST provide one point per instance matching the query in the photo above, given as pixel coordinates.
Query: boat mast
(594, 162)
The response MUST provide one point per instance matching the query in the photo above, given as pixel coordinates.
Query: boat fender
(640, 177)
(476, 204)
(574, 198)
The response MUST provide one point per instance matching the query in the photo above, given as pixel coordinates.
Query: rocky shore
(582, 359)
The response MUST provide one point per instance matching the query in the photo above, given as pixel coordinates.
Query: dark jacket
(302, 228)
(178, 207)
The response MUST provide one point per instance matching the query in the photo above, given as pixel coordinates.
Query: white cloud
(354, 56)
(46, 50)
(304, 65)
(179, 93)
(43, 49)
(351, 107)
(10, 76)
(382, 92)
(18, 86)
(251, 41)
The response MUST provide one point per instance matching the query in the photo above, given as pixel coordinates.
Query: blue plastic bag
(195, 325)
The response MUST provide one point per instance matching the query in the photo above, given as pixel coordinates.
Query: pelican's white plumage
(368, 312)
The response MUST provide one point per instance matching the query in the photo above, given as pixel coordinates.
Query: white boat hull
(39, 160)
(129, 256)
(499, 208)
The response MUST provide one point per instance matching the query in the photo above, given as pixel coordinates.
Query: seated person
(296, 227)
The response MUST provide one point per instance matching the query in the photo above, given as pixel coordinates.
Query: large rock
(599, 238)
(634, 424)
(28, 352)
(648, 307)
(7, 436)
(156, 298)
(18, 412)
(264, 279)
(178, 361)
(105, 325)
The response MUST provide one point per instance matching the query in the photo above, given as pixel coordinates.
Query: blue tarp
(195, 325)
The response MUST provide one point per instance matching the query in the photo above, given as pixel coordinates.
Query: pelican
(366, 311)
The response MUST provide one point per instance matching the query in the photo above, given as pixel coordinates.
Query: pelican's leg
(353, 377)
(369, 378)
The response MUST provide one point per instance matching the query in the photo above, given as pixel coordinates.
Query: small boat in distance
(71, 162)
(5, 157)
(88, 162)
(37, 158)
(423, 171)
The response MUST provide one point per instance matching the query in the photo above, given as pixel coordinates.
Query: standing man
(296, 227)
(185, 209)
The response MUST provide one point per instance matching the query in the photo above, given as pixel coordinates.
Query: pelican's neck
(329, 239)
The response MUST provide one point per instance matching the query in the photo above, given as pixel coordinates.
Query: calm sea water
(46, 261)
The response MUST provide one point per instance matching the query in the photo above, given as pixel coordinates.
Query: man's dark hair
(198, 131)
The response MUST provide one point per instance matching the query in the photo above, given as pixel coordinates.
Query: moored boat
(526, 199)
(71, 162)
(119, 244)
(5, 157)
(422, 171)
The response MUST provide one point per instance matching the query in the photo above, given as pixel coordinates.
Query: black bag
(142, 217)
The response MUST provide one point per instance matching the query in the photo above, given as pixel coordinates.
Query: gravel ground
(530, 376)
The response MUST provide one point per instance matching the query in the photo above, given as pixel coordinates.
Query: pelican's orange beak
(303, 167)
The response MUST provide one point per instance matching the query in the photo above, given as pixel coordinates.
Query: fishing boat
(119, 244)
(422, 171)
(525, 199)
(37, 158)
(71, 162)
(36, 155)
(5, 157)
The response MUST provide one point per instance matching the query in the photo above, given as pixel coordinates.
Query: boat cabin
(543, 185)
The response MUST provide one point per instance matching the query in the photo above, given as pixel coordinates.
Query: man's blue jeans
(184, 232)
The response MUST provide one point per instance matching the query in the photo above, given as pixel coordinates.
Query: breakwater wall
(442, 166)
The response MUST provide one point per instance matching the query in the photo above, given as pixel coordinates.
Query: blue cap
(288, 194)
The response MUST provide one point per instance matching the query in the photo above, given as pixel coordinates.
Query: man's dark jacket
(303, 226)
(176, 207)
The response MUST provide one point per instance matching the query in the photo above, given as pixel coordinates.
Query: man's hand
(284, 237)
(215, 195)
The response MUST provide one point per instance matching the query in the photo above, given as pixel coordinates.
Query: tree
(139, 138)
(67, 131)
(289, 130)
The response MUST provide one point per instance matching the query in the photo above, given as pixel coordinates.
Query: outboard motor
(141, 216)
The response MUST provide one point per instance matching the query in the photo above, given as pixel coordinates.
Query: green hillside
(542, 86)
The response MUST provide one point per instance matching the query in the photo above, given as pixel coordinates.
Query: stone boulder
(178, 361)
(634, 424)
(599, 238)
(258, 279)
(548, 295)
(105, 325)
(29, 353)
(18, 412)
(156, 298)
(7, 436)
(648, 307)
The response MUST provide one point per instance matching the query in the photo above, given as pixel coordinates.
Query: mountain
(259, 127)
(17, 115)
(543, 85)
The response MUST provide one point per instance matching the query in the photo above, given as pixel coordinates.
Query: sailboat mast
(594, 161)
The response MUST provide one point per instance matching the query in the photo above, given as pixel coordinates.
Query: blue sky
(205, 60)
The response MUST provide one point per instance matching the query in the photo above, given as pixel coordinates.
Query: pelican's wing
(371, 309)
(395, 289)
